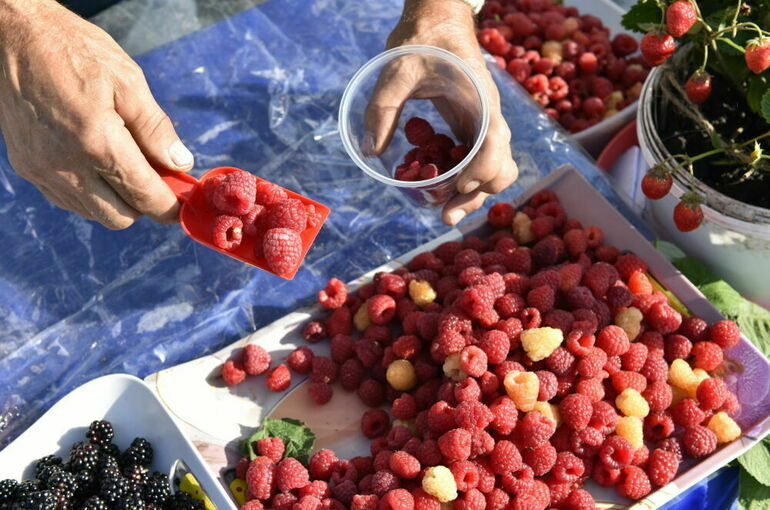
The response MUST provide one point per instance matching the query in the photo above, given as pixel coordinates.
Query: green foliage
(753, 495)
(641, 15)
(297, 438)
(764, 105)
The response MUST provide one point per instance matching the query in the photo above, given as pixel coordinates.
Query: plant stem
(746, 25)
(730, 42)
(707, 154)
(735, 17)
(705, 58)
(755, 139)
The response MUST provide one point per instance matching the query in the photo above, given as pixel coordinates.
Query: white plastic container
(134, 411)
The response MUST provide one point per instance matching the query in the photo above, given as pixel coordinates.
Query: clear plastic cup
(444, 80)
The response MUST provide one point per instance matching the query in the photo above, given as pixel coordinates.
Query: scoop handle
(182, 184)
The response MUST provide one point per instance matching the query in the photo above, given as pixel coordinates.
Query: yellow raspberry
(724, 427)
(630, 428)
(401, 375)
(439, 482)
(548, 410)
(677, 395)
(541, 342)
(700, 376)
(522, 228)
(632, 403)
(452, 368)
(630, 320)
(361, 318)
(680, 375)
(612, 101)
(552, 50)
(421, 292)
(522, 388)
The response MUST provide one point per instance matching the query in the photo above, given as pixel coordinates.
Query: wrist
(425, 15)
(20, 17)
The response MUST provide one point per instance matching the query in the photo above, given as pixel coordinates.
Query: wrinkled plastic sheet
(260, 91)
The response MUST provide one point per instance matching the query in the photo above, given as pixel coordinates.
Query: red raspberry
(270, 447)
(404, 465)
(657, 47)
(407, 347)
(576, 410)
(371, 393)
(268, 193)
(260, 478)
(418, 131)
(687, 413)
(254, 504)
(384, 481)
(233, 373)
(579, 500)
(612, 366)
(580, 343)
(381, 309)
(279, 378)
(497, 499)
(500, 215)
(288, 213)
(677, 347)
(548, 251)
(467, 258)
(712, 393)
(317, 488)
(290, 474)
(607, 253)
(628, 264)
(560, 362)
(645, 302)
(473, 361)
(613, 340)
(658, 426)
(428, 453)
(397, 499)
(235, 194)
(374, 423)
(344, 491)
(252, 220)
(550, 278)
(570, 276)
(580, 297)
(323, 370)
(534, 429)
(662, 467)
(520, 261)
(618, 297)
(351, 374)
(654, 342)
(698, 441)
(604, 476)
(568, 468)
(334, 295)
(655, 368)
(599, 278)
(586, 443)
(391, 284)
(404, 407)
(505, 458)
(301, 359)
(466, 474)
(540, 459)
(672, 444)
(505, 416)
(469, 390)
(495, 345)
(575, 242)
(314, 331)
(731, 406)
(364, 502)
(658, 395)
(382, 460)
(616, 453)
(548, 385)
(477, 300)
(321, 464)
(320, 392)
(228, 232)
(542, 298)
(282, 248)
(592, 363)
(369, 352)
(307, 502)
(635, 357)
(471, 500)
(707, 355)
(623, 380)
(663, 318)
(424, 501)
(472, 415)
(342, 348)
(455, 444)
(724, 333)
(591, 388)
(633, 483)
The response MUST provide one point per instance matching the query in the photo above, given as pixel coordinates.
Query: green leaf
(753, 495)
(643, 13)
(757, 462)
(757, 89)
(764, 105)
(297, 438)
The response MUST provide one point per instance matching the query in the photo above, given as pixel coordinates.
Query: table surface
(256, 88)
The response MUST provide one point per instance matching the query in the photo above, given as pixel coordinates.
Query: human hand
(446, 24)
(79, 119)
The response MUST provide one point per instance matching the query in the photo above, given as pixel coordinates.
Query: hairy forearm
(18, 18)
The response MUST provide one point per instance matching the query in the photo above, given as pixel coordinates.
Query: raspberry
(542, 298)
(698, 441)
(639, 284)
(260, 478)
(381, 308)
(541, 459)
(469, 390)
(368, 351)
(680, 375)
(252, 220)
(233, 373)
(711, 393)
(505, 416)
(599, 277)
(471, 500)
(382, 460)
(631, 403)
(505, 458)
(397, 499)
(631, 429)
(472, 415)
(495, 344)
(334, 295)
(418, 131)
(290, 474)
(323, 370)
(677, 347)
(466, 474)
(497, 499)
(235, 194)
(283, 501)
(320, 392)
(579, 500)
(616, 453)
(724, 333)
(384, 481)
(268, 193)
(724, 427)
(317, 488)
(547, 385)
(604, 476)
(687, 413)
(421, 292)
(351, 374)
(473, 361)
(314, 331)
(575, 242)
(439, 482)
(576, 410)
(731, 406)
(371, 393)
(548, 251)
(630, 319)
(612, 366)
(364, 502)
(629, 264)
(633, 483)
(655, 369)
(618, 297)
(580, 297)
(455, 444)
(404, 465)
(663, 318)
(542, 226)
(404, 407)
(658, 426)
(707, 355)
(374, 423)
(282, 250)
(522, 388)
(613, 340)
(658, 395)
(534, 429)
(252, 505)
(288, 213)
(591, 388)
(607, 253)
(279, 378)
(228, 232)
(441, 417)
(539, 343)
(662, 467)
(500, 215)
(568, 468)
(624, 380)
(270, 447)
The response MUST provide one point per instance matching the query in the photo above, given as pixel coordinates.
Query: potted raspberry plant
(704, 130)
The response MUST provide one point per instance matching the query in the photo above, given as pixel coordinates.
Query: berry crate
(216, 416)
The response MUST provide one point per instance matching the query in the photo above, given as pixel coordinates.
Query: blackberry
(8, 490)
(100, 432)
(107, 467)
(94, 503)
(157, 489)
(85, 483)
(111, 449)
(133, 503)
(46, 466)
(138, 454)
(183, 501)
(114, 489)
(36, 500)
(28, 487)
(84, 456)
(136, 474)
(63, 486)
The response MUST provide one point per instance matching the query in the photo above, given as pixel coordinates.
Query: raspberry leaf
(643, 14)
(756, 461)
(297, 438)
(753, 495)
(764, 106)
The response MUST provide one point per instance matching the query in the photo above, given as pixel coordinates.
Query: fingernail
(180, 155)
(456, 215)
(367, 144)
(472, 185)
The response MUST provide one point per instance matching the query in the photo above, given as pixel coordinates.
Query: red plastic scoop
(197, 217)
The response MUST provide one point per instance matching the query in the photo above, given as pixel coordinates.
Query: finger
(150, 126)
(123, 166)
(394, 87)
(105, 205)
(63, 202)
(494, 155)
(507, 175)
(460, 206)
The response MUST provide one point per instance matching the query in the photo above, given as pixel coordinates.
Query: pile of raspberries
(502, 373)
(433, 154)
(247, 206)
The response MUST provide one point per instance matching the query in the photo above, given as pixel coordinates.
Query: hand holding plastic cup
(405, 82)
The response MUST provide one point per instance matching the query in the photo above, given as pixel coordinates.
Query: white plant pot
(734, 238)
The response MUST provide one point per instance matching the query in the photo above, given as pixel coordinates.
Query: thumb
(151, 128)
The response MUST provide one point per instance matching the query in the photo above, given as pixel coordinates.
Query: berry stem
(735, 17)
(705, 58)
(730, 42)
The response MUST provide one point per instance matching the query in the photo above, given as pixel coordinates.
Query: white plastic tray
(134, 411)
